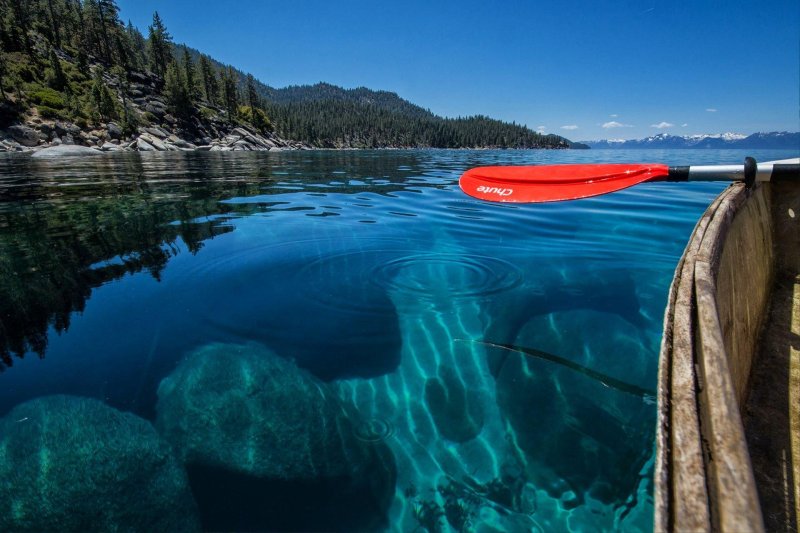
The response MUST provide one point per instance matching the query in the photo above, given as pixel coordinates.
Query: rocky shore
(158, 131)
(41, 134)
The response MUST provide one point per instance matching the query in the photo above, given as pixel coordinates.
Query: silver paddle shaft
(784, 169)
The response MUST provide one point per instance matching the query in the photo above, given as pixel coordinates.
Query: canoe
(728, 435)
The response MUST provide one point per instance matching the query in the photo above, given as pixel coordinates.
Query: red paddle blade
(551, 183)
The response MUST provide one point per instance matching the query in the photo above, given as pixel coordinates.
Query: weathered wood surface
(704, 479)
(744, 282)
(772, 413)
(679, 465)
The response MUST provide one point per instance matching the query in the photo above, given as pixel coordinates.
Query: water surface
(491, 365)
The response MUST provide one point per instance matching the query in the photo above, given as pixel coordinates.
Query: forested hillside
(330, 116)
(74, 61)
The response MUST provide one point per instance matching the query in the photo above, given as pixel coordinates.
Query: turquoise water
(330, 341)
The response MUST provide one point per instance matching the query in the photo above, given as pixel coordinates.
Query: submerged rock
(66, 150)
(581, 437)
(508, 313)
(75, 464)
(267, 446)
(355, 324)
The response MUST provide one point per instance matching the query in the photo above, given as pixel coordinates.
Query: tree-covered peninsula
(71, 72)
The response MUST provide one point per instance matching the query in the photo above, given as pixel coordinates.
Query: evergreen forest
(76, 61)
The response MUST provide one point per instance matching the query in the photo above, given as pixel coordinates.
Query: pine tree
(138, 46)
(160, 42)
(102, 100)
(176, 92)
(55, 24)
(192, 87)
(20, 24)
(124, 50)
(107, 12)
(91, 40)
(58, 81)
(252, 96)
(230, 93)
(82, 40)
(129, 121)
(72, 23)
(210, 83)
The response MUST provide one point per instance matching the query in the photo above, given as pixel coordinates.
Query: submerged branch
(608, 381)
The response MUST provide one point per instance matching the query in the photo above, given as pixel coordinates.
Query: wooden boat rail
(718, 301)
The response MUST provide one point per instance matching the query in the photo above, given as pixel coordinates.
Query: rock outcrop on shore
(158, 131)
(36, 136)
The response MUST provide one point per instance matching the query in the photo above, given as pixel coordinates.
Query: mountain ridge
(763, 140)
(325, 115)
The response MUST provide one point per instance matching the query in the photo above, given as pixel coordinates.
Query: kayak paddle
(551, 183)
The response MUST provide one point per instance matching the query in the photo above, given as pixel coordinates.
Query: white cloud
(615, 124)
(711, 110)
(613, 116)
(662, 125)
(684, 125)
(569, 127)
(541, 128)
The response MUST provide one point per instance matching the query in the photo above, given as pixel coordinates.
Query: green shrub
(25, 73)
(73, 74)
(46, 96)
(81, 123)
(261, 121)
(49, 112)
(130, 122)
(257, 118)
(207, 113)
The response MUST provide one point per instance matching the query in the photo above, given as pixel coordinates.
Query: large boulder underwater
(583, 432)
(506, 314)
(69, 463)
(323, 311)
(269, 447)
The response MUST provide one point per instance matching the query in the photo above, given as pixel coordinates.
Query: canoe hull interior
(714, 338)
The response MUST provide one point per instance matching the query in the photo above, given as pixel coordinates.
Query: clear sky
(582, 69)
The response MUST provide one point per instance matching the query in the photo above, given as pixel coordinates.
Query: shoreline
(35, 137)
(156, 139)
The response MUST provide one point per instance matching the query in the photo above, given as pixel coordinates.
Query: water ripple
(428, 275)
(373, 430)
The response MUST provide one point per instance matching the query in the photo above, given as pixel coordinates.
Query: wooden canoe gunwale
(703, 475)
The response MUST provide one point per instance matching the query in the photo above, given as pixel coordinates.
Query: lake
(331, 340)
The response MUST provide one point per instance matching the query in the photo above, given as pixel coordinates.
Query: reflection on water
(55, 252)
(72, 225)
(332, 340)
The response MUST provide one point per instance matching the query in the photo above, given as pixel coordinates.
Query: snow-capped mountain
(729, 136)
(774, 139)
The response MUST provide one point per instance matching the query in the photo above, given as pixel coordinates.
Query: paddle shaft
(772, 172)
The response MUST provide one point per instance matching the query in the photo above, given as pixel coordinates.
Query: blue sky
(582, 69)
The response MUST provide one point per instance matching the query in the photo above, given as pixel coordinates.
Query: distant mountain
(721, 140)
(327, 116)
(385, 100)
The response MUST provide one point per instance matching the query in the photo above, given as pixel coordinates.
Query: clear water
(317, 335)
